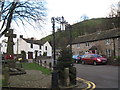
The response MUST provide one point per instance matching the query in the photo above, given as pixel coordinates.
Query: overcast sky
(72, 10)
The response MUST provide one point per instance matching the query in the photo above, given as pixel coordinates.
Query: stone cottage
(103, 42)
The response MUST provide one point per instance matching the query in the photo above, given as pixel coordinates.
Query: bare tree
(84, 17)
(118, 11)
(26, 11)
(114, 10)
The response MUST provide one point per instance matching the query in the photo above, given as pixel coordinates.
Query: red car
(93, 59)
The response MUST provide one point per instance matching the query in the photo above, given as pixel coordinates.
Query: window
(107, 41)
(86, 52)
(87, 44)
(40, 53)
(45, 47)
(78, 45)
(86, 56)
(31, 45)
(40, 47)
(108, 52)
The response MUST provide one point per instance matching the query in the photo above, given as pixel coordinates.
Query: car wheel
(94, 63)
(83, 62)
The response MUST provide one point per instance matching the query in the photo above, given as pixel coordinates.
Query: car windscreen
(95, 55)
(74, 56)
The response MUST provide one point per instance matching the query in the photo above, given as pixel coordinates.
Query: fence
(44, 63)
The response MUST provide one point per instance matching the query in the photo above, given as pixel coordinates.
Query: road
(103, 76)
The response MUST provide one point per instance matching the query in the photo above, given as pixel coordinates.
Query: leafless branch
(25, 10)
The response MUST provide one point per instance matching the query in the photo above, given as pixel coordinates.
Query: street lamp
(61, 21)
(54, 73)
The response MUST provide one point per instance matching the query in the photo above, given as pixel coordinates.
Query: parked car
(77, 58)
(93, 59)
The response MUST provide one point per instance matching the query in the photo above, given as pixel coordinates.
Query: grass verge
(33, 66)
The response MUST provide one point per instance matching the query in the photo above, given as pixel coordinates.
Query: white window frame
(107, 41)
(78, 45)
(87, 44)
(108, 52)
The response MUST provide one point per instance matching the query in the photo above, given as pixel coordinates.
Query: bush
(114, 60)
(45, 54)
(65, 58)
(23, 54)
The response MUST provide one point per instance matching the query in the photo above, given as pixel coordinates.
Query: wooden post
(45, 64)
(41, 62)
(50, 65)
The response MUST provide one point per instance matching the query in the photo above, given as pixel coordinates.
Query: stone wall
(105, 47)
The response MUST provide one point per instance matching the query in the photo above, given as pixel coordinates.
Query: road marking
(93, 87)
(90, 85)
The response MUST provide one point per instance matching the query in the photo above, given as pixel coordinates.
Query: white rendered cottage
(33, 48)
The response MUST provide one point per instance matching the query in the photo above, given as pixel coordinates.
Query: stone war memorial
(9, 66)
(10, 49)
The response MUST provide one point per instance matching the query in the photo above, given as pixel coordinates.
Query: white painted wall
(21, 44)
(49, 48)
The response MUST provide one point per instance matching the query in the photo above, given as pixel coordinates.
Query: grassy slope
(85, 27)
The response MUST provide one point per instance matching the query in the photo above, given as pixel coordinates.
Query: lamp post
(54, 73)
(59, 20)
(53, 27)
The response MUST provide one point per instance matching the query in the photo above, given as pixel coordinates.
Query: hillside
(84, 27)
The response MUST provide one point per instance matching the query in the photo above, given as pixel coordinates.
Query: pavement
(32, 79)
(35, 79)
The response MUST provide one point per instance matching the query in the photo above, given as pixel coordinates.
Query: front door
(93, 51)
(30, 55)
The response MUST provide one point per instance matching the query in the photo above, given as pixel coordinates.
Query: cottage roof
(113, 33)
(38, 42)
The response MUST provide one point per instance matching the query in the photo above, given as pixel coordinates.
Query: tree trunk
(9, 19)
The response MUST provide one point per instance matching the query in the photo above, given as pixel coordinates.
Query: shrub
(114, 60)
(23, 54)
(65, 58)
(45, 54)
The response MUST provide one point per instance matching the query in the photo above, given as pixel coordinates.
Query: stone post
(66, 77)
(6, 76)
